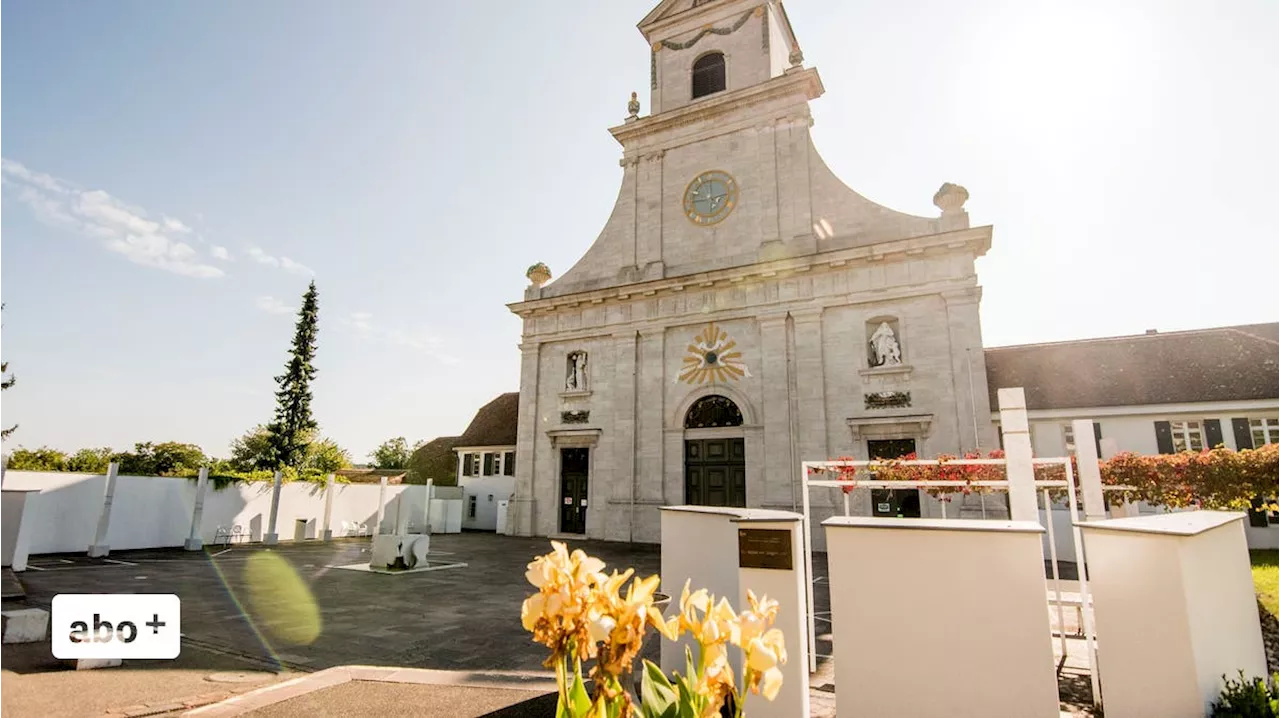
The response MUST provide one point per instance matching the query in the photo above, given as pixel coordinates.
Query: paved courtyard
(465, 618)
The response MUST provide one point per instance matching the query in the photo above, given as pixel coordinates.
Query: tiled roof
(434, 460)
(495, 423)
(371, 476)
(1203, 365)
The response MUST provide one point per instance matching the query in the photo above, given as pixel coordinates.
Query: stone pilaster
(973, 405)
(520, 514)
(780, 467)
(622, 489)
(811, 420)
(649, 210)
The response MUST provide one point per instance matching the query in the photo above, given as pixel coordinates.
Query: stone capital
(964, 295)
(806, 316)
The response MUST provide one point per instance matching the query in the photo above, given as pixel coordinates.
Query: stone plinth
(1174, 610)
(938, 617)
(25, 625)
(703, 545)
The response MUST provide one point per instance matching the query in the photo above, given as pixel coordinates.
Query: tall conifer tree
(293, 427)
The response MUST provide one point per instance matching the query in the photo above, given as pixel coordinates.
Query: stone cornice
(804, 82)
(976, 239)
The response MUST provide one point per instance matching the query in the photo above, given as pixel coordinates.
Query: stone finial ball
(950, 198)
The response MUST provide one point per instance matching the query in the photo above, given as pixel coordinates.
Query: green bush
(1243, 698)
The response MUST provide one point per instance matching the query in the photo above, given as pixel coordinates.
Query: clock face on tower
(710, 197)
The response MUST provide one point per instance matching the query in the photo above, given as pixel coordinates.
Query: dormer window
(708, 74)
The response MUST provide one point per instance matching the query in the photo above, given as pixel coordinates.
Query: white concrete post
(100, 547)
(1017, 453)
(328, 508)
(402, 511)
(193, 542)
(382, 505)
(1095, 508)
(426, 508)
(272, 538)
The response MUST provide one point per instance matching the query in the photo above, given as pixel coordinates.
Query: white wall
(154, 512)
(1135, 432)
(488, 490)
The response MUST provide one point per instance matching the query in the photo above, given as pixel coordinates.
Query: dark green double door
(715, 472)
(574, 469)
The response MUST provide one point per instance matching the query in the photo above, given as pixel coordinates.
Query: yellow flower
(770, 683)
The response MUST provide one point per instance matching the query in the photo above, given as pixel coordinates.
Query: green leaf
(657, 695)
(579, 700)
(689, 671)
(690, 706)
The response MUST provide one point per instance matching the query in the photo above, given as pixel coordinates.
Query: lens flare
(279, 601)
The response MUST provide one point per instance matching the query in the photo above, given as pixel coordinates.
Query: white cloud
(176, 225)
(122, 228)
(284, 263)
(271, 305)
(428, 345)
(220, 253)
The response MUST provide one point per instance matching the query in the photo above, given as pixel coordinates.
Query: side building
(1153, 393)
(486, 462)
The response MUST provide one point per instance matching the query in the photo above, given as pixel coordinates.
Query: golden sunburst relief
(712, 357)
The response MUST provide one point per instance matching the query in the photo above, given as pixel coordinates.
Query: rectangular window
(475, 465)
(509, 463)
(466, 464)
(1069, 439)
(471, 507)
(1187, 435)
(1265, 431)
(488, 464)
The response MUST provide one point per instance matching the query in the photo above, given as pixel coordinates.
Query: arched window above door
(713, 411)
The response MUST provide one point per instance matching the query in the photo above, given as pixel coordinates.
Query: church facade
(742, 310)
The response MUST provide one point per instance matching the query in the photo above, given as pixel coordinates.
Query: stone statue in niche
(576, 372)
(884, 347)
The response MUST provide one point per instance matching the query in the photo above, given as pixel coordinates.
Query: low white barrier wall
(155, 512)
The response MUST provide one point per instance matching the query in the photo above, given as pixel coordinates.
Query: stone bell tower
(742, 309)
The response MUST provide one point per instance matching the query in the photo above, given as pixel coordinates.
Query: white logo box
(116, 625)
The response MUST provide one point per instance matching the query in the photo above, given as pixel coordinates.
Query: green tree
(42, 459)
(393, 454)
(168, 458)
(291, 431)
(251, 450)
(7, 381)
(326, 456)
(90, 461)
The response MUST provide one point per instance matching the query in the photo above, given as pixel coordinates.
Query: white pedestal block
(13, 506)
(193, 544)
(940, 617)
(701, 544)
(1174, 610)
(271, 539)
(25, 625)
(99, 551)
(88, 664)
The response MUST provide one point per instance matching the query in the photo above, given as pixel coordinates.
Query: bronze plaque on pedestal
(764, 548)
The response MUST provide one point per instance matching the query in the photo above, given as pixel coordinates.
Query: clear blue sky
(416, 157)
